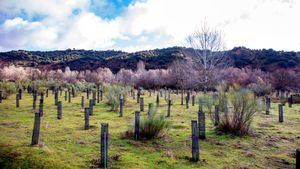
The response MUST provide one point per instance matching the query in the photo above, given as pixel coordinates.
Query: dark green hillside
(265, 59)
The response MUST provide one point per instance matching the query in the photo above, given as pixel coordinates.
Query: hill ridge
(80, 59)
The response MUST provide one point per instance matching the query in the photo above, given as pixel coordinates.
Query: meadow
(65, 144)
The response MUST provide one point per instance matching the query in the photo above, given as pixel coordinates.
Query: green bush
(8, 89)
(208, 106)
(150, 126)
(18, 84)
(296, 99)
(222, 99)
(42, 87)
(53, 84)
(25, 83)
(237, 120)
(113, 95)
(83, 86)
(168, 96)
(22, 84)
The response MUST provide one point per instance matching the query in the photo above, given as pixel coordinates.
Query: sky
(135, 25)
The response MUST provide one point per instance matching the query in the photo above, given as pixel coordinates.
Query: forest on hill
(264, 59)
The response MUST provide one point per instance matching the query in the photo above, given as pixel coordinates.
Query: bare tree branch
(208, 46)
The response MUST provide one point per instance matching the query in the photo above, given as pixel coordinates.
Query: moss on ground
(65, 144)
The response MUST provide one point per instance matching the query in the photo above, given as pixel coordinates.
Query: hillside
(265, 59)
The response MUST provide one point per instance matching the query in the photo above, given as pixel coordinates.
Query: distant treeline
(240, 57)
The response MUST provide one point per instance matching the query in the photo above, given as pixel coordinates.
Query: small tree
(261, 88)
(70, 76)
(282, 81)
(208, 45)
(14, 73)
(141, 67)
(183, 75)
(125, 76)
(33, 74)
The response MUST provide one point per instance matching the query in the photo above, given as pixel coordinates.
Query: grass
(65, 144)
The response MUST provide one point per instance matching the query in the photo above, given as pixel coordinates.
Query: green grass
(65, 144)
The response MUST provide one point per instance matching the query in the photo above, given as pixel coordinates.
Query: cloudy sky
(133, 25)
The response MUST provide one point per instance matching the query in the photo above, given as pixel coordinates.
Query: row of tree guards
(140, 100)
(198, 128)
(87, 113)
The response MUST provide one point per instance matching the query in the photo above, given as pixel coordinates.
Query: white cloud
(18, 33)
(152, 23)
(91, 32)
(56, 10)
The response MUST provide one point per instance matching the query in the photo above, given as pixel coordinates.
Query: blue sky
(133, 25)
(109, 9)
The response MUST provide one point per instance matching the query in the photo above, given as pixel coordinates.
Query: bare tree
(70, 76)
(182, 74)
(125, 76)
(208, 45)
(14, 73)
(141, 67)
